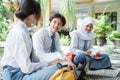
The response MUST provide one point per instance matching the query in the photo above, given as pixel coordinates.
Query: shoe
(86, 69)
(80, 66)
(83, 70)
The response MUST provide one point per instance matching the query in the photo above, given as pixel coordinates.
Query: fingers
(72, 66)
(88, 52)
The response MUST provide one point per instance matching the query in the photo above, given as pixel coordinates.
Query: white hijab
(84, 35)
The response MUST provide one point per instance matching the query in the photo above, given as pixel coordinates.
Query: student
(16, 60)
(43, 39)
(82, 46)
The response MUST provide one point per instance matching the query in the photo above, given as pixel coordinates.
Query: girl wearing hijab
(16, 61)
(82, 46)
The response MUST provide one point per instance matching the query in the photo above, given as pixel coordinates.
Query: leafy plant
(2, 7)
(65, 40)
(3, 23)
(69, 12)
(43, 11)
(3, 30)
(114, 35)
(102, 27)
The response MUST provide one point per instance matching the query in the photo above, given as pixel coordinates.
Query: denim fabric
(94, 64)
(45, 73)
(11, 73)
(42, 74)
(101, 64)
(81, 58)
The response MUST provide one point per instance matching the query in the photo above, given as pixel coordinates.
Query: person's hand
(88, 52)
(55, 61)
(98, 53)
(72, 66)
(97, 56)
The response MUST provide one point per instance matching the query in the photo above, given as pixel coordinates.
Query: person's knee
(79, 58)
(52, 70)
(42, 74)
(80, 55)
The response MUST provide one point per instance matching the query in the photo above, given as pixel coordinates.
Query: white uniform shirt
(18, 48)
(42, 41)
(77, 44)
(42, 45)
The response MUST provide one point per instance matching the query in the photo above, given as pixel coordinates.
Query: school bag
(63, 74)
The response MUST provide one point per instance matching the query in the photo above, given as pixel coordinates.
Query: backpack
(63, 74)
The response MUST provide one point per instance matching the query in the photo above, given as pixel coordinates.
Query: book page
(50, 56)
(94, 51)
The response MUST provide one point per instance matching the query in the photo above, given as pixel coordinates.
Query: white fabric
(83, 34)
(94, 51)
(42, 41)
(47, 57)
(78, 37)
(18, 48)
(77, 42)
(42, 44)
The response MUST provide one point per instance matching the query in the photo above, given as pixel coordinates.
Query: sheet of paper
(49, 56)
(94, 51)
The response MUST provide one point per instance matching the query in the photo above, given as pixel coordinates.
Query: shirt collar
(24, 26)
(49, 32)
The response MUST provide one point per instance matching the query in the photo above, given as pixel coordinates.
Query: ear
(30, 17)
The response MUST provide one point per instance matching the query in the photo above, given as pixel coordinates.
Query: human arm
(22, 52)
(90, 47)
(68, 62)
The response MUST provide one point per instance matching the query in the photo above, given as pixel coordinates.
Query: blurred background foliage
(65, 40)
(3, 22)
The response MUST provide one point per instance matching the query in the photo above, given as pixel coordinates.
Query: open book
(95, 53)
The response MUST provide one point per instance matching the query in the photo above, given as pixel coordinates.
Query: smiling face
(88, 28)
(55, 25)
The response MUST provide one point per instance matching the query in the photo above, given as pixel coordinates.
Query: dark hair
(58, 15)
(28, 7)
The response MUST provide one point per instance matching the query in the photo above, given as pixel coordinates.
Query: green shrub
(114, 35)
(3, 23)
(3, 29)
(65, 40)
